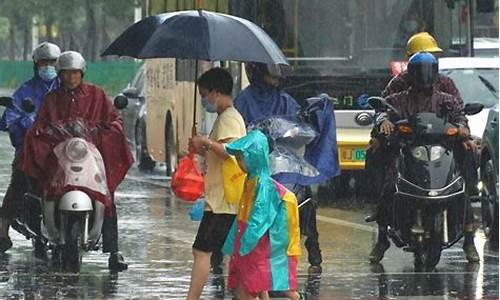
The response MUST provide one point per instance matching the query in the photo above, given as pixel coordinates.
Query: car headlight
(437, 152)
(420, 153)
(77, 150)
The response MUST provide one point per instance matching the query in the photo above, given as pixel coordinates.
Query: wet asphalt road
(156, 236)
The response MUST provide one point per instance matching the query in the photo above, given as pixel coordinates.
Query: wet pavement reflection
(156, 237)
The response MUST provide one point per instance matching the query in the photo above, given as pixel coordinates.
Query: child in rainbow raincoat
(264, 240)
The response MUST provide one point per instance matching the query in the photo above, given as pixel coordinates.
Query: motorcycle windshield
(429, 127)
(429, 167)
(80, 162)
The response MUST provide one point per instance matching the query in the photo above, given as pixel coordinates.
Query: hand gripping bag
(187, 181)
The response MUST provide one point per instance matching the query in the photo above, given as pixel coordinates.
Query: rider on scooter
(422, 96)
(77, 100)
(17, 123)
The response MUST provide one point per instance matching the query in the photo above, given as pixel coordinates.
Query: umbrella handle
(193, 131)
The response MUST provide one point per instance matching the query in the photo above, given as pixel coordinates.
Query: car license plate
(357, 154)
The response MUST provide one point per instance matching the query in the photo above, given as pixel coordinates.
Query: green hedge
(113, 76)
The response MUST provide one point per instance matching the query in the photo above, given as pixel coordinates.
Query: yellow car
(353, 135)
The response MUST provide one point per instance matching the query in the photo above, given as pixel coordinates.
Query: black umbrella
(200, 35)
(197, 34)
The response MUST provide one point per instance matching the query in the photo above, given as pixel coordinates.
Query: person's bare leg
(292, 295)
(199, 274)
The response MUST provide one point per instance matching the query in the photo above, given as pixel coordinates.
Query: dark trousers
(110, 232)
(308, 223)
(13, 201)
(308, 226)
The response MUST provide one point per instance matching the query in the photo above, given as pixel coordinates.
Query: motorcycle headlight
(77, 150)
(420, 153)
(437, 152)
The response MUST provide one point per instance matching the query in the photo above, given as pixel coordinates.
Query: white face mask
(208, 106)
(47, 73)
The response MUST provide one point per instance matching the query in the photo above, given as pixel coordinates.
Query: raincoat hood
(258, 101)
(255, 149)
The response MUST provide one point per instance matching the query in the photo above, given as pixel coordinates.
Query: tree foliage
(86, 26)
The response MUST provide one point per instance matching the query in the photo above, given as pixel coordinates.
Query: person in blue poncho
(17, 122)
(264, 98)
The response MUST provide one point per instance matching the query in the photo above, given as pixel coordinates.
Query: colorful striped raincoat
(264, 241)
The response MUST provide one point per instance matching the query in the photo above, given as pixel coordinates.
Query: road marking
(346, 223)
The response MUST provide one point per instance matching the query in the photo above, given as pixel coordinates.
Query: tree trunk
(50, 29)
(105, 40)
(92, 30)
(72, 43)
(12, 38)
(27, 44)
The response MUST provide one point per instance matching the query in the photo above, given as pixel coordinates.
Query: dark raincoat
(411, 102)
(401, 82)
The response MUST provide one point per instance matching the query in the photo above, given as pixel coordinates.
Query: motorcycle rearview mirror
(120, 102)
(473, 108)
(27, 105)
(7, 102)
(131, 92)
(377, 103)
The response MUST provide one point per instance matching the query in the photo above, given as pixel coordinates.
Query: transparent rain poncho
(80, 163)
(288, 137)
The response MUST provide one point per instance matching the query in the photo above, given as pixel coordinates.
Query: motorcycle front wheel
(428, 254)
(72, 249)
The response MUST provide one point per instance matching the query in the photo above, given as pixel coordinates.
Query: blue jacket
(17, 122)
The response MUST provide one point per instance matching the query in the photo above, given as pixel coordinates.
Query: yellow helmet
(421, 42)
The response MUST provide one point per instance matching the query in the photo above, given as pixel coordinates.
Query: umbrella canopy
(197, 34)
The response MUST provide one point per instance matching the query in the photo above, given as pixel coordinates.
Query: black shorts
(213, 231)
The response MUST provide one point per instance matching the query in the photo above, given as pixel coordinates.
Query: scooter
(69, 224)
(429, 205)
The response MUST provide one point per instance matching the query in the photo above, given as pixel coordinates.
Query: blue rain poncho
(17, 122)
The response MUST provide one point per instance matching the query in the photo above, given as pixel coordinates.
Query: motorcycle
(429, 204)
(70, 223)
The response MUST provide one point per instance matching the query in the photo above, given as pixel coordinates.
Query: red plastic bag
(187, 181)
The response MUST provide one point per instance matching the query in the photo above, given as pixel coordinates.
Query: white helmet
(70, 60)
(47, 51)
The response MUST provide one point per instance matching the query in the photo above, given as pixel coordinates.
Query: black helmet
(423, 70)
